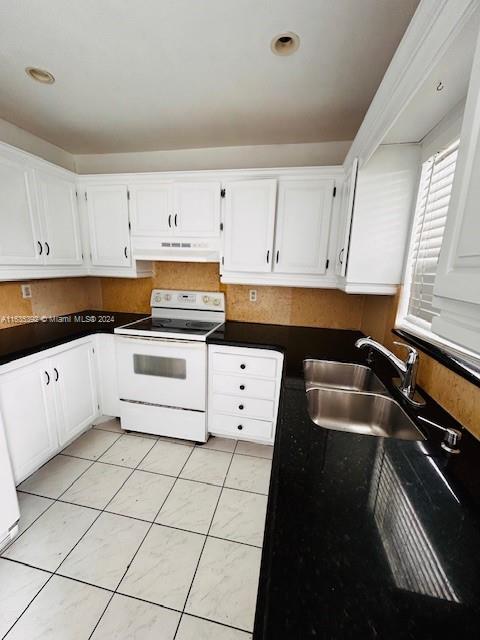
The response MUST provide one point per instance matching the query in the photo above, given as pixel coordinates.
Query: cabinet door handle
(242, 366)
(278, 255)
(241, 407)
(268, 256)
(125, 252)
(242, 387)
(240, 427)
(57, 375)
(40, 247)
(340, 256)
(176, 216)
(169, 220)
(48, 377)
(47, 248)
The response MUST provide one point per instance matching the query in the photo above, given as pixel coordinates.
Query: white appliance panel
(162, 372)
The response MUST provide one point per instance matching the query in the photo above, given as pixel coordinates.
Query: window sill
(452, 362)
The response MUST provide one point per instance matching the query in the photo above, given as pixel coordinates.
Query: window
(427, 235)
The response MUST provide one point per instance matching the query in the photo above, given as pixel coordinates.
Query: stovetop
(162, 327)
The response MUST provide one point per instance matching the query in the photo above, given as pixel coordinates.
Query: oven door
(170, 373)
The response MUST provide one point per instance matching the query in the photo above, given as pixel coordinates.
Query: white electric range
(162, 364)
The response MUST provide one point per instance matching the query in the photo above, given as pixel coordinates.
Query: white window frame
(440, 138)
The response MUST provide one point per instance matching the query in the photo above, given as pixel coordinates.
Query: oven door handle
(158, 341)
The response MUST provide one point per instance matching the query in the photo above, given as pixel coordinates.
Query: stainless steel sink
(341, 375)
(360, 413)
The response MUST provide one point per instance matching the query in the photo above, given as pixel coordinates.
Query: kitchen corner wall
(374, 315)
(49, 297)
(455, 394)
(276, 305)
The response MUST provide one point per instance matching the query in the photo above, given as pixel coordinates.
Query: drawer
(240, 428)
(249, 407)
(244, 364)
(244, 386)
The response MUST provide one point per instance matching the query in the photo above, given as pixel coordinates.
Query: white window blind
(429, 226)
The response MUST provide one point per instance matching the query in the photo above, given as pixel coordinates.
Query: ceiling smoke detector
(285, 44)
(40, 75)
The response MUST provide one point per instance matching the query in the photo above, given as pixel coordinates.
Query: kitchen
(239, 341)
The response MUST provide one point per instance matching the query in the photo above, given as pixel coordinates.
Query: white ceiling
(137, 75)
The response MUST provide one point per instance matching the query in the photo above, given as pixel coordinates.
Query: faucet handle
(412, 352)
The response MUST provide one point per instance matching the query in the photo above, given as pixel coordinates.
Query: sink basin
(360, 413)
(341, 375)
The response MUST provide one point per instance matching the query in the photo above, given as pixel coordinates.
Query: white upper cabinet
(374, 242)
(107, 207)
(347, 203)
(457, 281)
(196, 209)
(61, 237)
(19, 225)
(249, 225)
(303, 220)
(151, 209)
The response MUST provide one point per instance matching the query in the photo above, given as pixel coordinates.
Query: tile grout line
(104, 510)
(81, 538)
(205, 542)
(54, 500)
(143, 539)
(58, 498)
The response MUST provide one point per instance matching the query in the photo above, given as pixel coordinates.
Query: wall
(22, 139)
(49, 297)
(458, 396)
(276, 305)
(374, 315)
(247, 157)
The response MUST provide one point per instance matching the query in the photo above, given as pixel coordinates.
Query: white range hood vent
(176, 250)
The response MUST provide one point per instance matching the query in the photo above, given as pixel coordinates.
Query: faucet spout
(407, 369)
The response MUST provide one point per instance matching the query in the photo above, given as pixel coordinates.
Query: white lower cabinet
(46, 401)
(27, 402)
(76, 393)
(243, 392)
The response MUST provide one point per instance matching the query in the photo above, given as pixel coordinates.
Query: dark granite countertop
(365, 537)
(27, 339)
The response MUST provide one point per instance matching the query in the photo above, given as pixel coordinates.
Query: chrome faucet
(407, 370)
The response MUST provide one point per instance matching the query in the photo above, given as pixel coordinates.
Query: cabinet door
(73, 375)
(303, 221)
(458, 272)
(20, 235)
(59, 219)
(345, 222)
(249, 225)
(457, 281)
(107, 208)
(28, 411)
(151, 209)
(197, 209)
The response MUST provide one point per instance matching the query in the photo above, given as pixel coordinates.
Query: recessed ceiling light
(40, 75)
(285, 44)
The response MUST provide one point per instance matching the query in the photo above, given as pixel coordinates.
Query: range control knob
(216, 301)
(206, 299)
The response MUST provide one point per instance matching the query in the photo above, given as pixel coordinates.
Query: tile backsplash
(374, 315)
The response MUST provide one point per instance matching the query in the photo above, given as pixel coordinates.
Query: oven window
(159, 366)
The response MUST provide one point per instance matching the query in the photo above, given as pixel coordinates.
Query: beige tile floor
(125, 536)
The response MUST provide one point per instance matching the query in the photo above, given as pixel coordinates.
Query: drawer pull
(240, 406)
(242, 387)
(240, 427)
(243, 366)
